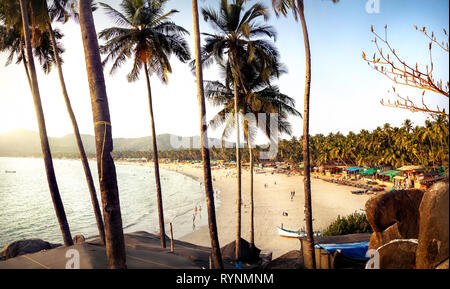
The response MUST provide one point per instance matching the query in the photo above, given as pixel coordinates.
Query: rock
(380, 238)
(246, 253)
(23, 247)
(401, 207)
(398, 254)
(79, 239)
(433, 238)
(443, 265)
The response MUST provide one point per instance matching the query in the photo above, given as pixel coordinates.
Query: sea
(26, 209)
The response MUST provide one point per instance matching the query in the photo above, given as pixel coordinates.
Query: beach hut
(368, 172)
(427, 182)
(355, 171)
(389, 174)
(411, 174)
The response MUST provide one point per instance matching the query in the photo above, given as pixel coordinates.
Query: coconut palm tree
(51, 178)
(12, 42)
(297, 8)
(115, 242)
(60, 10)
(209, 191)
(148, 37)
(238, 32)
(42, 15)
(259, 97)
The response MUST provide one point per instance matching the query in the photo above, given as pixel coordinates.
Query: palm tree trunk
(51, 178)
(238, 174)
(25, 64)
(209, 191)
(162, 232)
(252, 212)
(84, 160)
(308, 251)
(115, 242)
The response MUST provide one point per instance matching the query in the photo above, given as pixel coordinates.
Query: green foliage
(351, 224)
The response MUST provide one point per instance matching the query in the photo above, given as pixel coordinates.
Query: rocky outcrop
(23, 247)
(434, 228)
(392, 207)
(378, 239)
(411, 227)
(398, 254)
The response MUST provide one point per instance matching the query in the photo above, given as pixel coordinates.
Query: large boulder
(23, 247)
(380, 238)
(398, 254)
(394, 215)
(433, 249)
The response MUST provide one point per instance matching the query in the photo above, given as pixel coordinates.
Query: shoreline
(200, 219)
(272, 206)
(329, 201)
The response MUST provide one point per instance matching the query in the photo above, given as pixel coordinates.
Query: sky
(345, 91)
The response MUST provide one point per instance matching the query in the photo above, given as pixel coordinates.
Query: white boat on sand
(290, 233)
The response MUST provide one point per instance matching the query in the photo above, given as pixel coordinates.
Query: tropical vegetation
(239, 40)
(148, 37)
(351, 224)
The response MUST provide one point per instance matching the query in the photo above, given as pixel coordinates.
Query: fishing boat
(358, 192)
(290, 233)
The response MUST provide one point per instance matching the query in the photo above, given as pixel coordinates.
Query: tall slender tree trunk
(115, 242)
(238, 172)
(308, 251)
(48, 162)
(252, 207)
(209, 191)
(84, 160)
(162, 231)
(25, 64)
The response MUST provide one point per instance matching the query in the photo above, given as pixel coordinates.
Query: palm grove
(242, 47)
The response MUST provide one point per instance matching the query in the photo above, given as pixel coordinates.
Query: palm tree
(47, 50)
(42, 15)
(407, 125)
(236, 33)
(147, 35)
(209, 191)
(258, 97)
(297, 7)
(115, 243)
(51, 178)
(11, 41)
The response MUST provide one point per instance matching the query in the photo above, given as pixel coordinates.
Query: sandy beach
(328, 200)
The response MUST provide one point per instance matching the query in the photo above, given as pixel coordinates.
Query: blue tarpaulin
(351, 250)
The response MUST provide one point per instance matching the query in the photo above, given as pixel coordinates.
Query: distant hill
(21, 142)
